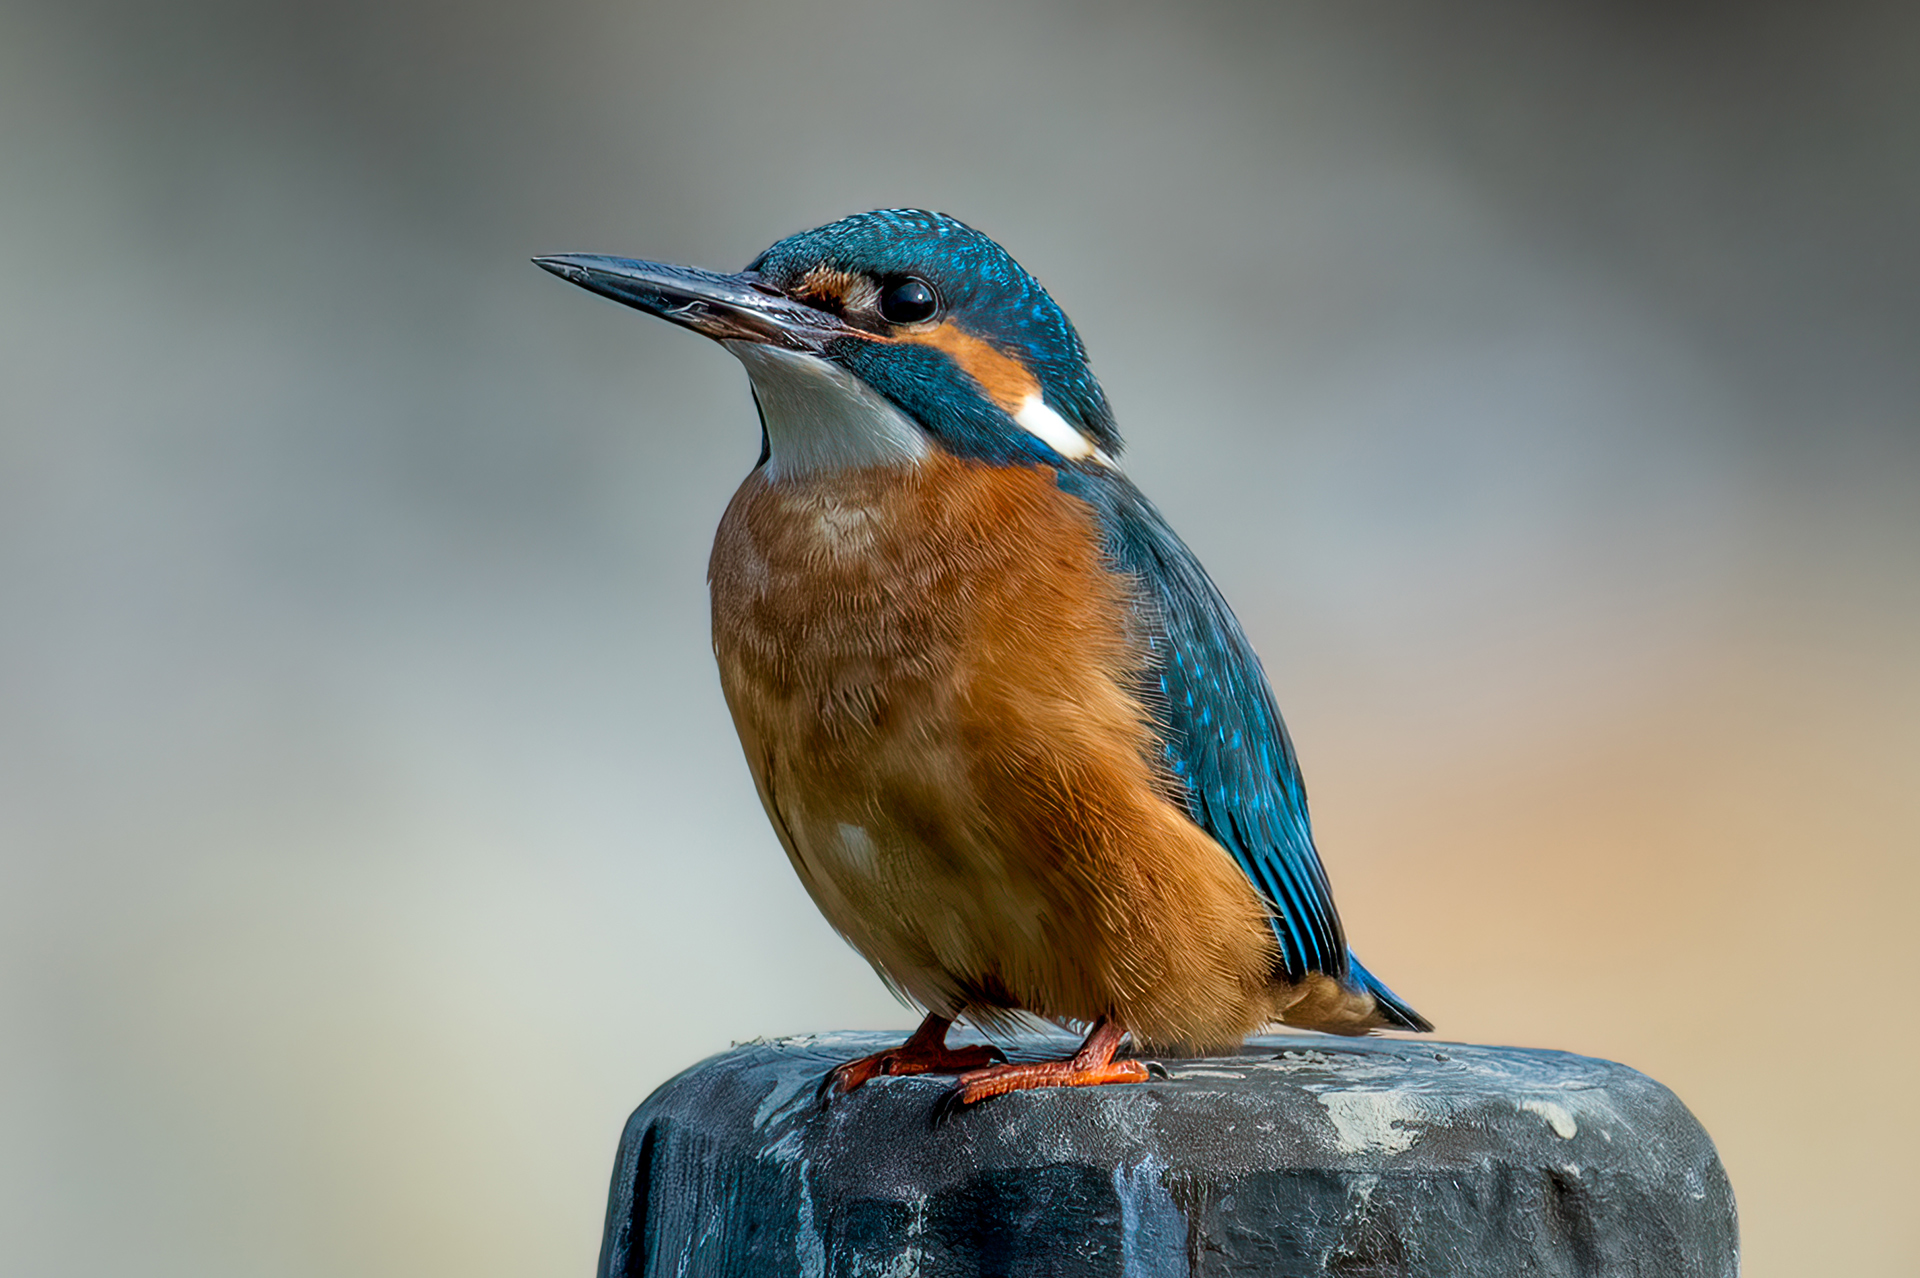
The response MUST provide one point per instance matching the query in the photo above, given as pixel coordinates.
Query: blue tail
(1392, 1010)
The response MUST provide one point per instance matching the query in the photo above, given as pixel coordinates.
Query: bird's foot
(899, 1061)
(998, 1080)
(925, 1053)
(1092, 1066)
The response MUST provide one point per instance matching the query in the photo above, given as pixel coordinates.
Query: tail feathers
(1394, 1012)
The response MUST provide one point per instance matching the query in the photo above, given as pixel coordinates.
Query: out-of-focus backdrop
(1542, 384)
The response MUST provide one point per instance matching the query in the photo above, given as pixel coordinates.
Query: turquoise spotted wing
(1222, 734)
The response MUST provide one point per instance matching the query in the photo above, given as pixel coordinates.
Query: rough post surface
(1305, 1155)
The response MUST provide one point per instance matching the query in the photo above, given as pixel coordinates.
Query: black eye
(906, 300)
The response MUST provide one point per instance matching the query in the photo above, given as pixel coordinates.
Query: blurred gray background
(1539, 381)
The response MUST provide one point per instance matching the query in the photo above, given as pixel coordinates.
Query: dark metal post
(1304, 1156)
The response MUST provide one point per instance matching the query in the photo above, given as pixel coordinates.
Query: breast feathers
(963, 696)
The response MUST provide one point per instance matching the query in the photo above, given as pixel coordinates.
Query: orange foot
(1092, 1066)
(925, 1053)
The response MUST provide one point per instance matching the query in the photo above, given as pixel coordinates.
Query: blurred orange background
(1539, 384)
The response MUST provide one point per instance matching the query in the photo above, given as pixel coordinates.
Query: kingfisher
(1012, 738)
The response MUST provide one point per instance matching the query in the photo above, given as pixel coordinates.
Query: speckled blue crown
(988, 293)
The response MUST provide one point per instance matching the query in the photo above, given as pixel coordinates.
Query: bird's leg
(1091, 1066)
(925, 1053)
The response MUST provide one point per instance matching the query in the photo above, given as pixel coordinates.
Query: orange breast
(930, 669)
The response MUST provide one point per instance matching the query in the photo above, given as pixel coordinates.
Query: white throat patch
(821, 418)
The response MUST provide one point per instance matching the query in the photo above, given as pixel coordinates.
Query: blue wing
(1224, 738)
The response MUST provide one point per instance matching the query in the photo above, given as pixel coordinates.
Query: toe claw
(833, 1084)
(1156, 1069)
(952, 1103)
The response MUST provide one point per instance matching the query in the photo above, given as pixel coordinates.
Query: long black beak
(727, 308)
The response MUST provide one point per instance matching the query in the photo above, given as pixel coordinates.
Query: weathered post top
(1304, 1155)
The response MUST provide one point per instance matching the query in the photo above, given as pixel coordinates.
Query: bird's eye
(907, 300)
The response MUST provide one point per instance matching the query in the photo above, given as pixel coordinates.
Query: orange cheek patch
(1004, 378)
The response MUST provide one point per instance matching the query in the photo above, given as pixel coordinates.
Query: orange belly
(930, 670)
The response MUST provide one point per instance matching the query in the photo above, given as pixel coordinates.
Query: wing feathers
(1224, 739)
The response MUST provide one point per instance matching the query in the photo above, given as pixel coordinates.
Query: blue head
(882, 336)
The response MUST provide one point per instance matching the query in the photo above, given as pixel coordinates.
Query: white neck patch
(1053, 430)
(822, 418)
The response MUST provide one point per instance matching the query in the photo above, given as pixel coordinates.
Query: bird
(1012, 738)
